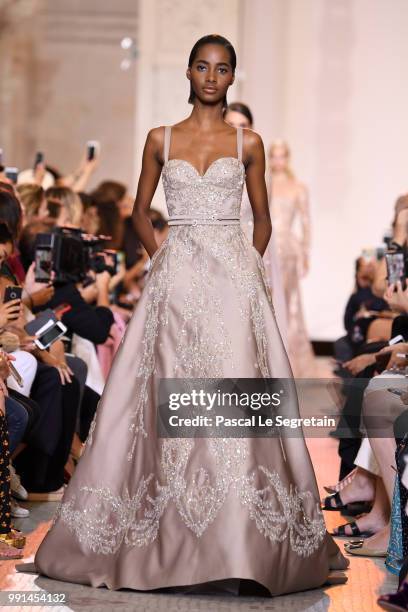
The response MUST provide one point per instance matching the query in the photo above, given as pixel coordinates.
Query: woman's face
(6, 249)
(125, 206)
(236, 119)
(365, 273)
(90, 220)
(278, 159)
(211, 73)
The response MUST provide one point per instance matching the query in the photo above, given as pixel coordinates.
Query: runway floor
(367, 578)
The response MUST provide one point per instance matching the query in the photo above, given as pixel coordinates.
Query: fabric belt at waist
(210, 220)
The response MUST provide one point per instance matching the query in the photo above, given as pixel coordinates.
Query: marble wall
(62, 83)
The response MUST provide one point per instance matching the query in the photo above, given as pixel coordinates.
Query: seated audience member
(83, 319)
(372, 410)
(367, 318)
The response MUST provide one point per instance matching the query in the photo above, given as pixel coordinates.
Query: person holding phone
(398, 244)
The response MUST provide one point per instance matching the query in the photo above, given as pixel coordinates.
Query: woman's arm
(148, 180)
(254, 155)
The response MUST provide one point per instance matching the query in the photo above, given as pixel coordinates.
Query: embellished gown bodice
(217, 192)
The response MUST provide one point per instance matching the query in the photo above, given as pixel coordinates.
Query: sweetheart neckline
(210, 166)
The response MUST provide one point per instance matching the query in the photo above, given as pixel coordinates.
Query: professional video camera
(68, 255)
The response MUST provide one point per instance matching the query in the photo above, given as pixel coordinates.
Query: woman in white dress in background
(289, 208)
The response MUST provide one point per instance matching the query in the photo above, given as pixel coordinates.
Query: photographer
(85, 320)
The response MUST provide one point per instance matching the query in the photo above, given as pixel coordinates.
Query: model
(143, 512)
(289, 207)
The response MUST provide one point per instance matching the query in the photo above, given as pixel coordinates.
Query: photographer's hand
(37, 294)
(78, 180)
(102, 285)
(396, 297)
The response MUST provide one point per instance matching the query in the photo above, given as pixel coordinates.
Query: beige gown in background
(142, 512)
(291, 228)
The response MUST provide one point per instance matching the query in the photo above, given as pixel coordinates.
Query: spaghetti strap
(167, 136)
(239, 143)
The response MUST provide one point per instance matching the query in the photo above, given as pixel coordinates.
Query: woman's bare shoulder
(253, 146)
(252, 138)
(156, 135)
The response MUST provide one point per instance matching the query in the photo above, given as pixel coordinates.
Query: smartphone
(92, 149)
(395, 268)
(12, 293)
(11, 173)
(16, 374)
(33, 327)
(43, 265)
(49, 333)
(398, 392)
(39, 159)
(396, 340)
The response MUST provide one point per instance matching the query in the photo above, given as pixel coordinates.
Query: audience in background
(373, 430)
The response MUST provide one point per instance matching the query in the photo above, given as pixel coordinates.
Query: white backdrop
(336, 90)
(329, 76)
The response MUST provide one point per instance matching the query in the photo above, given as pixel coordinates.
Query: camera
(68, 255)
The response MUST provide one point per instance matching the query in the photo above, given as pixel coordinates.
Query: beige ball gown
(145, 513)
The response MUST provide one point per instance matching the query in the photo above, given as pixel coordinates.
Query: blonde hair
(70, 203)
(31, 197)
(283, 145)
